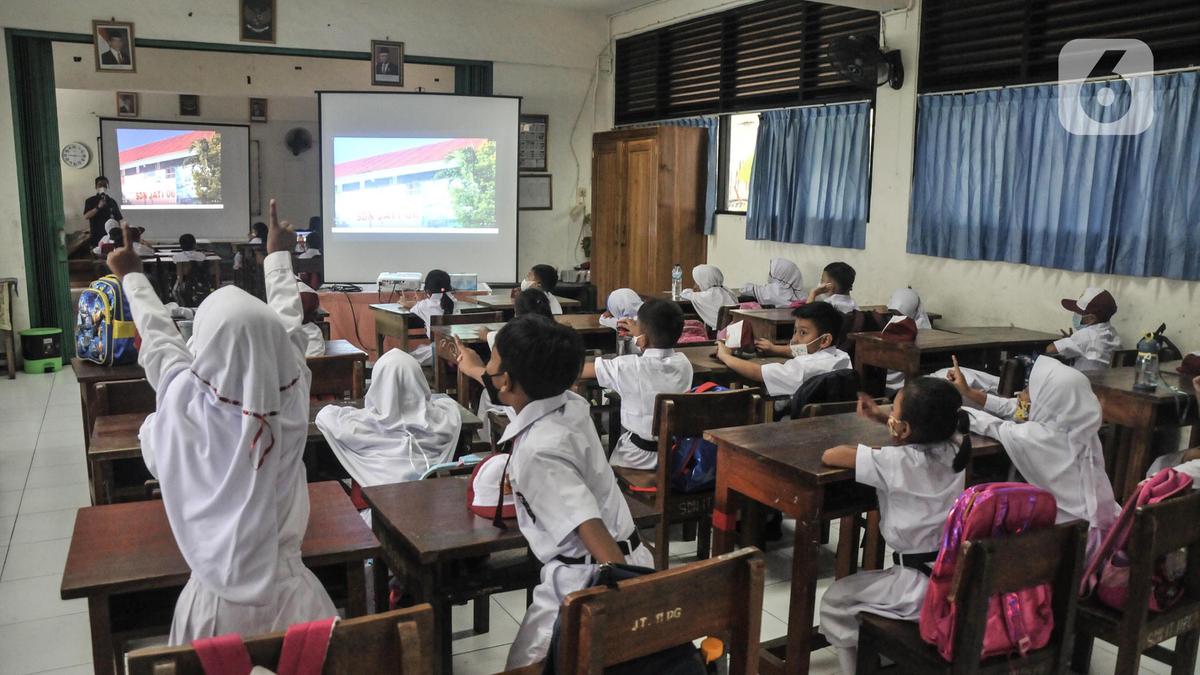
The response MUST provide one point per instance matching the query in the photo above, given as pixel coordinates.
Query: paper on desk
(733, 335)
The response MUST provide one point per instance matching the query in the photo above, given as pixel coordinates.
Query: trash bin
(42, 350)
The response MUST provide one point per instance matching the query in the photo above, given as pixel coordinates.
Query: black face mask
(490, 386)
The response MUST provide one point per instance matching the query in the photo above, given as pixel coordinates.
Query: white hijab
(400, 432)
(110, 225)
(1059, 447)
(712, 294)
(784, 286)
(908, 303)
(227, 443)
(622, 303)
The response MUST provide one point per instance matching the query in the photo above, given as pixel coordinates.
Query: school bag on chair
(303, 652)
(1107, 573)
(104, 330)
(1017, 622)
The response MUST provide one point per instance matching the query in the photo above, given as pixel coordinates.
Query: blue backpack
(104, 330)
(693, 459)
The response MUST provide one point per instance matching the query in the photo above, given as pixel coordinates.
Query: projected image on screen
(414, 185)
(170, 168)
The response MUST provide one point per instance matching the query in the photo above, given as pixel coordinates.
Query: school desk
(778, 324)
(504, 301)
(342, 369)
(395, 320)
(979, 348)
(124, 560)
(686, 305)
(115, 439)
(89, 375)
(779, 465)
(437, 547)
(1141, 413)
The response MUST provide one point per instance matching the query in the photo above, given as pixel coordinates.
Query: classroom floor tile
(502, 631)
(35, 559)
(35, 598)
(55, 498)
(481, 661)
(74, 473)
(59, 456)
(42, 526)
(10, 502)
(46, 644)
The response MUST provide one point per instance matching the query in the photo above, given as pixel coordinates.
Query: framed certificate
(533, 139)
(534, 193)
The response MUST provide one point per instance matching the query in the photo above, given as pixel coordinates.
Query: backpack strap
(304, 647)
(223, 655)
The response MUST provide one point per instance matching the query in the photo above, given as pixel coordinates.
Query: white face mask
(803, 349)
(526, 284)
(101, 190)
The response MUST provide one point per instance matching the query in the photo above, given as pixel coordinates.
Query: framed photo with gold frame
(113, 46)
(387, 63)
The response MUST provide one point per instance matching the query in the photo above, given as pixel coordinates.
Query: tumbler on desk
(1146, 376)
(677, 282)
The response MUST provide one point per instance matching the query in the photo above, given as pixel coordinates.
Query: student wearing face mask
(545, 279)
(1057, 446)
(1092, 338)
(813, 351)
(99, 209)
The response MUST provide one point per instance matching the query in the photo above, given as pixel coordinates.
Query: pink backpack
(1107, 572)
(1016, 622)
(304, 648)
(693, 331)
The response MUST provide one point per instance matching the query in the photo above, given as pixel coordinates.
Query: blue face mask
(1077, 321)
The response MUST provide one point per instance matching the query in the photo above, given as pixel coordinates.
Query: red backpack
(1108, 571)
(1016, 622)
(304, 648)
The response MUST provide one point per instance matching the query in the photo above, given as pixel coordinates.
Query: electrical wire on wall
(580, 210)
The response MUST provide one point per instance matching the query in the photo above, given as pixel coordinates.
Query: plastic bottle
(676, 282)
(1146, 375)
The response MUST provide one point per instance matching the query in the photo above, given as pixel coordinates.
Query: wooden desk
(395, 319)
(1141, 413)
(124, 560)
(425, 528)
(342, 369)
(504, 301)
(89, 375)
(779, 465)
(977, 347)
(775, 325)
(686, 305)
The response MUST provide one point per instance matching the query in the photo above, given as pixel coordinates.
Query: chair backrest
(1053, 555)
(463, 319)
(392, 642)
(497, 423)
(693, 414)
(725, 315)
(124, 396)
(835, 386)
(1159, 529)
(602, 626)
(839, 408)
(1012, 377)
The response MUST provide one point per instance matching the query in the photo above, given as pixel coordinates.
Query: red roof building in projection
(166, 149)
(421, 159)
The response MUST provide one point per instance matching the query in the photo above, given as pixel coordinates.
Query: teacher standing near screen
(99, 208)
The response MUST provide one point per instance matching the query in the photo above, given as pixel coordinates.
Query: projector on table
(464, 282)
(397, 282)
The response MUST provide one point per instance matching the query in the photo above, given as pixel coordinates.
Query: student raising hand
(124, 260)
(868, 408)
(956, 378)
(280, 236)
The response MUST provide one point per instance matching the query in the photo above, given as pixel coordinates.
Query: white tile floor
(43, 480)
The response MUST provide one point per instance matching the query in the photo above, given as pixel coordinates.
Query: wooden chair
(990, 566)
(130, 477)
(1157, 530)
(392, 642)
(602, 627)
(441, 375)
(724, 317)
(340, 372)
(680, 416)
(1013, 373)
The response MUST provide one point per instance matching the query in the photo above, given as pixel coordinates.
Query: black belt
(642, 443)
(626, 547)
(918, 561)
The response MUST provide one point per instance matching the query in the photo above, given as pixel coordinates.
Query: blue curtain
(811, 178)
(710, 193)
(998, 177)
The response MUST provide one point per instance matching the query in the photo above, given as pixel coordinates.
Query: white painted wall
(543, 53)
(967, 293)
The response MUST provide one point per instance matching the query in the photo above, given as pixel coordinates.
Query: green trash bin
(41, 348)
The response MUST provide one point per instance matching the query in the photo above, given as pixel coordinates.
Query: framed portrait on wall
(127, 104)
(387, 63)
(532, 143)
(257, 20)
(113, 46)
(258, 110)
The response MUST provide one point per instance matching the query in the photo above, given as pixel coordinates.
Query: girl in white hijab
(907, 305)
(1058, 448)
(622, 303)
(710, 295)
(401, 430)
(784, 285)
(226, 445)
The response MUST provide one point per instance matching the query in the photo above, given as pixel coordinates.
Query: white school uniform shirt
(1058, 449)
(639, 379)
(783, 379)
(431, 306)
(142, 249)
(188, 256)
(842, 302)
(712, 295)
(233, 484)
(561, 479)
(555, 305)
(1092, 346)
(401, 431)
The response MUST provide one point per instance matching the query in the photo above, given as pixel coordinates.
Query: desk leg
(803, 603)
(103, 649)
(442, 636)
(724, 517)
(356, 589)
(378, 345)
(382, 592)
(358, 386)
(87, 422)
(102, 480)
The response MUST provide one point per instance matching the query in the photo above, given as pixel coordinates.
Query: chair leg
(1185, 653)
(1081, 656)
(704, 539)
(689, 531)
(483, 615)
(873, 543)
(847, 550)
(868, 657)
(1128, 662)
(662, 544)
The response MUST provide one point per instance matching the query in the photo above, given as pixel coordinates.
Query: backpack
(1108, 571)
(1016, 622)
(303, 653)
(104, 330)
(693, 459)
(835, 386)
(682, 659)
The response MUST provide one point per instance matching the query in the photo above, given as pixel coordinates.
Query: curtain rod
(956, 92)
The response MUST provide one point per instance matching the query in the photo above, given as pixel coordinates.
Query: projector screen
(414, 182)
(174, 178)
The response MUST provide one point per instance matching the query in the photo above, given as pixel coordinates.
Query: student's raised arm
(163, 353)
(282, 293)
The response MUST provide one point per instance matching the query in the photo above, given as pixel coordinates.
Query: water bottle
(1145, 376)
(676, 282)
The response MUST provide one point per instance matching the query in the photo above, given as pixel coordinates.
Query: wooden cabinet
(647, 207)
